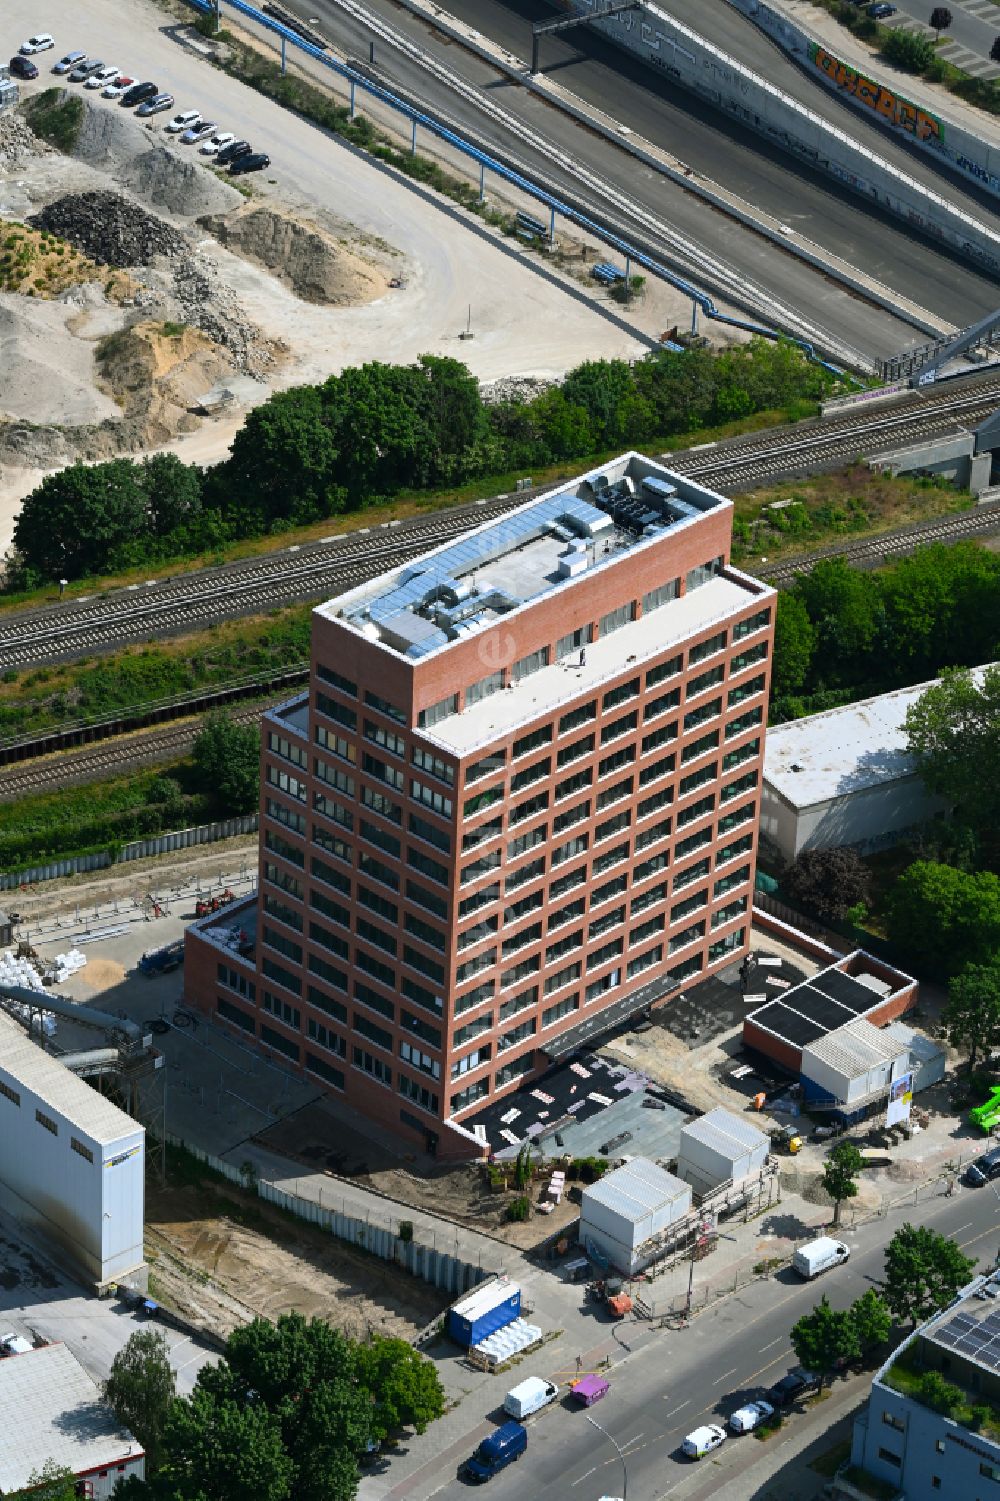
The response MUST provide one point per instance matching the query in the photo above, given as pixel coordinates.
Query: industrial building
(914, 1449)
(53, 1411)
(71, 1162)
(624, 1210)
(720, 1148)
(521, 791)
(852, 1066)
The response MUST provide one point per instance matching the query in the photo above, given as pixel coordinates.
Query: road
(973, 30)
(681, 1379)
(607, 77)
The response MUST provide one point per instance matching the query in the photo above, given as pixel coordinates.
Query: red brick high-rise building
(518, 802)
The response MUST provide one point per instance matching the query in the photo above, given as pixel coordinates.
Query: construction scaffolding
(695, 1236)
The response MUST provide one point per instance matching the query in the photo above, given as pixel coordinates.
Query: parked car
(22, 67)
(984, 1169)
(792, 1387)
(230, 153)
(199, 133)
(85, 70)
(40, 43)
(118, 88)
(138, 94)
(186, 120)
(255, 161)
(103, 77)
(880, 10)
(703, 1440)
(71, 60)
(496, 1452)
(156, 105)
(216, 142)
(750, 1416)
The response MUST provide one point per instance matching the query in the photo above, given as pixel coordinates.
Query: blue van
(496, 1452)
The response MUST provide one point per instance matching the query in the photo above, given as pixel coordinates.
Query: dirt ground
(220, 1259)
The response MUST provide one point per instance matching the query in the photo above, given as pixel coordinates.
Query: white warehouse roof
(636, 1190)
(53, 1411)
(725, 1133)
(72, 1099)
(854, 1048)
(841, 751)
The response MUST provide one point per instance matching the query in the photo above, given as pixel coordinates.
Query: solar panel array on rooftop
(819, 1005)
(976, 1339)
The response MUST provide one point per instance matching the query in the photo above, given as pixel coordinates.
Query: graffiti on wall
(893, 108)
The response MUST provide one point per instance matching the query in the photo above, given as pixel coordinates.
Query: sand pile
(156, 372)
(46, 376)
(315, 265)
(116, 142)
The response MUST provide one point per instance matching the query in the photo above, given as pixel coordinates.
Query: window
(711, 710)
(332, 877)
(615, 794)
(328, 972)
(486, 831)
(427, 761)
(330, 808)
(656, 738)
(656, 770)
(620, 695)
(481, 867)
(434, 713)
(420, 995)
(471, 1061)
(564, 945)
(381, 771)
(473, 1092)
(699, 809)
(529, 774)
(431, 798)
(324, 1070)
(529, 807)
(328, 940)
(417, 860)
(553, 1014)
(282, 912)
(516, 1035)
(562, 977)
(661, 799)
(428, 899)
(607, 951)
(279, 1042)
(288, 750)
(232, 979)
(647, 929)
(231, 1013)
(745, 690)
(705, 680)
(337, 712)
(520, 1002)
(383, 973)
(281, 976)
(47, 1122)
(700, 747)
(707, 648)
(661, 704)
(482, 898)
(651, 835)
(608, 765)
(526, 666)
(377, 871)
(566, 883)
(520, 909)
(660, 596)
(731, 820)
(495, 761)
(600, 987)
(729, 913)
(570, 817)
(688, 905)
(613, 826)
(531, 741)
(607, 920)
(574, 641)
(332, 843)
(384, 707)
(566, 914)
(336, 745)
(728, 883)
(327, 1004)
(335, 680)
(736, 789)
(689, 935)
(650, 867)
(81, 1150)
(275, 1006)
(619, 727)
(376, 903)
(747, 658)
(892, 1421)
(293, 853)
(693, 965)
(744, 722)
(732, 851)
(574, 718)
(378, 1035)
(657, 893)
(472, 966)
(387, 739)
(376, 935)
(752, 623)
(609, 858)
(889, 1457)
(573, 752)
(614, 620)
(425, 1098)
(740, 754)
(282, 945)
(608, 890)
(567, 851)
(480, 801)
(275, 777)
(419, 1060)
(275, 876)
(644, 961)
(472, 1029)
(516, 1069)
(433, 835)
(531, 934)
(423, 964)
(524, 873)
(685, 847)
(288, 816)
(693, 873)
(476, 692)
(373, 1066)
(701, 575)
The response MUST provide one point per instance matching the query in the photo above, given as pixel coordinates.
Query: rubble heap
(109, 229)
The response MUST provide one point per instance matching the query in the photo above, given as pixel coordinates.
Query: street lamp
(595, 1424)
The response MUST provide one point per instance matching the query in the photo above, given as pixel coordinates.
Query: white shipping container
(720, 1148)
(853, 1062)
(633, 1203)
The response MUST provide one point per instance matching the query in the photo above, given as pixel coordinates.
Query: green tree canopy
(872, 1321)
(942, 916)
(840, 1171)
(405, 1389)
(140, 1389)
(53, 1482)
(77, 518)
(954, 731)
(923, 1272)
(908, 50)
(825, 1340)
(972, 1015)
(224, 1450)
(846, 614)
(227, 763)
(794, 645)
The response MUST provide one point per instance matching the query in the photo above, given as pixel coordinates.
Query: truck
(819, 1256)
(529, 1396)
(495, 1453)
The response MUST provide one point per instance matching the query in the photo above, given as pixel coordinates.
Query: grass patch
(56, 116)
(801, 515)
(830, 1462)
(925, 1385)
(35, 263)
(45, 698)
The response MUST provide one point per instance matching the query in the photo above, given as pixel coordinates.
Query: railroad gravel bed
(110, 229)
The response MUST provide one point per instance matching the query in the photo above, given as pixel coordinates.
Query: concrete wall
(941, 138)
(868, 820)
(687, 59)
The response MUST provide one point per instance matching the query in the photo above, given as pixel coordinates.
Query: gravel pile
(17, 140)
(109, 229)
(521, 388)
(207, 303)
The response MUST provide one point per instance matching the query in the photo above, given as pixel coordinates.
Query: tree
(140, 1389)
(825, 1340)
(828, 883)
(942, 916)
(53, 1482)
(923, 1272)
(224, 1450)
(953, 730)
(846, 614)
(404, 1387)
(227, 763)
(872, 1321)
(173, 492)
(794, 645)
(940, 19)
(73, 522)
(972, 1015)
(840, 1172)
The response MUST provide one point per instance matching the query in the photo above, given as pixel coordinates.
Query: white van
(529, 1396)
(703, 1440)
(819, 1256)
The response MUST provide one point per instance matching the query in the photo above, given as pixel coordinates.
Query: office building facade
(522, 788)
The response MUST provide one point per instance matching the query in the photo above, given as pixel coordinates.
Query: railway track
(324, 569)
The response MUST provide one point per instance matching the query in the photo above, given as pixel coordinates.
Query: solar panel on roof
(845, 989)
(791, 1025)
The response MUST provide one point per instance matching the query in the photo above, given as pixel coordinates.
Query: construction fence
(138, 849)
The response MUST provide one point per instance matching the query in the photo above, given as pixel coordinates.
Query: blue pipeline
(418, 117)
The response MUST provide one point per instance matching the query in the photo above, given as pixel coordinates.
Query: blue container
(483, 1312)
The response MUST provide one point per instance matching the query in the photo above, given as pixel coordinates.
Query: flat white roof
(72, 1099)
(841, 751)
(725, 1133)
(52, 1410)
(485, 1298)
(854, 1049)
(638, 642)
(636, 1190)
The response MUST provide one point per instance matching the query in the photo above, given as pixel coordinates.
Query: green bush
(518, 1209)
(56, 117)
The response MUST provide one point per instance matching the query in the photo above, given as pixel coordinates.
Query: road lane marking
(773, 1342)
(679, 1409)
(584, 1477)
(967, 1226)
(725, 1375)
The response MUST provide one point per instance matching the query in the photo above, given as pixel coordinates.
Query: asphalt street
(680, 1379)
(818, 210)
(729, 154)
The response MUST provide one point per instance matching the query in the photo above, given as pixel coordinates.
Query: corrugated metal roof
(724, 1132)
(636, 1190)
(485, 1298)
(922, 1048)
(52, 1410)
(69, 1097)
(853, 1049)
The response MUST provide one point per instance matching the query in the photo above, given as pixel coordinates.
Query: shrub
(519, 1208)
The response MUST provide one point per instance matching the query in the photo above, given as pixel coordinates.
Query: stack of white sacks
(68, 964)
(509, 1341)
